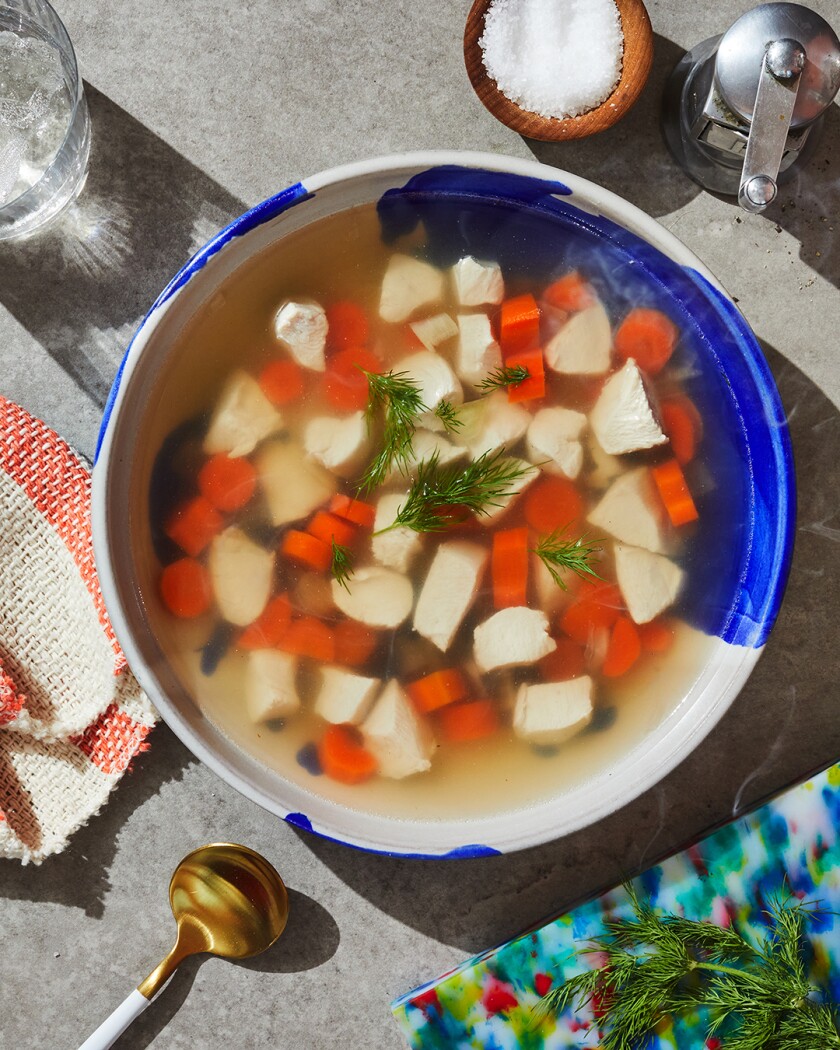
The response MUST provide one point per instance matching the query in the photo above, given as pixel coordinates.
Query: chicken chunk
(241, 574)
(477, 283)
(376, 597)
(491, 423)
(426, 443)
(623, 419)
(604, 467)
(242, 418)
(513, 490)
(449, 590)
(302, 329)
(436, 382)
(399, 740)
(631, 511)
(294, 485)
(432, 331)
(408, 284)
(477, 352)
(270, 690)
(512, 638)
(339, 443)
(649, 583)
(583, 345)
(553, 441)
(343, 696)
(397, 547)
(554, 711)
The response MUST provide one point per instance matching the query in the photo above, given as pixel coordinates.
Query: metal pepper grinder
(741, 108)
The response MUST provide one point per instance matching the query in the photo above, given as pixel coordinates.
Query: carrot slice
(571, 293)
(308, 636)
(624, 648)
(306, 549)
(194, 524)
(282, 382)
(534, 386)
(510, 568)
(185, 588)
(647, 336)
(328, 527)
(567, 661)
(345, 385)
(227, 483)
(471, 721)
(438, 689)
(682, 423)
(343, 757)
(552, 503)
(673, 489)
(347, 325)
(519, 324)
(657, 636)
(354, 510)
(354, 643)
(597, 608)
(272, 623)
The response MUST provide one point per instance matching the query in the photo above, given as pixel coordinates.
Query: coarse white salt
(557, 58)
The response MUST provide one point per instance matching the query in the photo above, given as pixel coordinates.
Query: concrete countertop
(201, 108)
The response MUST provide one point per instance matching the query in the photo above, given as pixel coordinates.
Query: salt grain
(557, 58)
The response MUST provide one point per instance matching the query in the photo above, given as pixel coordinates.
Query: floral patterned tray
(791, 843)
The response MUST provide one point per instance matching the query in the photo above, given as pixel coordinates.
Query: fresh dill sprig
(342, 564)
(440, 496)
(756, 996)
(400, 399)
(447, 413)
(577, 555)
(507, 375)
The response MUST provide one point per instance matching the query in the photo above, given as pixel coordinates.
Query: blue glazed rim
(774, 483)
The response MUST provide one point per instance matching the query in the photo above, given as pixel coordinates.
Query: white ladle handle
(114, 1026)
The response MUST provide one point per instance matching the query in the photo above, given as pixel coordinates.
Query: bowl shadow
(781, 728)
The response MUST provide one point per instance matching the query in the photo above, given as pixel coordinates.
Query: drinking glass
(44, 120)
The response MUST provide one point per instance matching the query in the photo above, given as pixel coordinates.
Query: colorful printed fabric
(71, 714)
(790, 844)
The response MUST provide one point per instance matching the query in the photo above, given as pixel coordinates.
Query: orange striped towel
(72, 715)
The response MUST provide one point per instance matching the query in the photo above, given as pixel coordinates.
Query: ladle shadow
(631, 157)
(82, 286)
(310, 939)
(79, 877)
(783, 726)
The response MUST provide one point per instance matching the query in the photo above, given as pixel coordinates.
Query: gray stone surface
(199, 108)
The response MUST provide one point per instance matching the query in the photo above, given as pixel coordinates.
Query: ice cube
(11, 155)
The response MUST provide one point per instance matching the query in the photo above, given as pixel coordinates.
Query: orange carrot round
(624, 648)
(438, 689)
(673, 489)
(533, 387)
(657, 636)
(471, 721)
(329, 527)
(682, 423)
(309, 637)
(347, 325)
(343, 757)
(306, 549)
(552, 503)
(345, 385)
(282, 381)
(519, 324)
(273, 622)
(354, 510)
(570, 293)
(509, 564)
(193, 525)
(567, 661)
(227, 483)
(185, 588)
(354, 643)
(647, 336)
(596, 609)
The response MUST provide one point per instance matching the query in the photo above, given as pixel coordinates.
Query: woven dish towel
(72, 715)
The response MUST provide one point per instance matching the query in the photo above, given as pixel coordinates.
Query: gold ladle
(228, 901)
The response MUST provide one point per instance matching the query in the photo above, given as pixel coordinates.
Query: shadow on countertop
(783, 726)
(82, 286)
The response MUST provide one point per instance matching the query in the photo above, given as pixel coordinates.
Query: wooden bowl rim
(551, 129)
